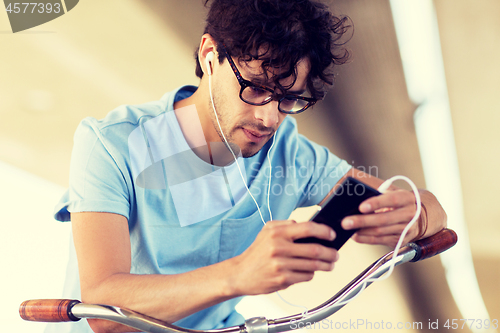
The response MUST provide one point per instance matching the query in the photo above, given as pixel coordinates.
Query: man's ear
(207, 54)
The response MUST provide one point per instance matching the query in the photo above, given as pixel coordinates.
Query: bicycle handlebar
(433, 245)
(48, 310)
(73, 310)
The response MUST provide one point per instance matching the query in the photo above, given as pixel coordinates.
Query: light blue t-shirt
(184, 213)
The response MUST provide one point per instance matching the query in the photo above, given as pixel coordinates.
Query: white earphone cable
(246, 186)
(236, 160)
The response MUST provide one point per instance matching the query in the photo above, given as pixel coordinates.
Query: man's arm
(102, 245)
(385, 216)
(273, 262)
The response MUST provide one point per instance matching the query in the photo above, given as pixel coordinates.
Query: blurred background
(104, 54)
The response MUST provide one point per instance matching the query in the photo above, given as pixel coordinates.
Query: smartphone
(344, 202)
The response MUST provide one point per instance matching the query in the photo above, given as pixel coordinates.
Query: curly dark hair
(280, 33)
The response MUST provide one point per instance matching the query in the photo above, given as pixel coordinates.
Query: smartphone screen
(344, 202)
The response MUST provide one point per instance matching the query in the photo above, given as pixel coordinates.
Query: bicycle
(62, 310)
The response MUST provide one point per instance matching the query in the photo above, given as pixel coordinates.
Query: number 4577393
(473, 323)
(24, 7)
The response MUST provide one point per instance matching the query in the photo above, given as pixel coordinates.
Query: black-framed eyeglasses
(256, 94)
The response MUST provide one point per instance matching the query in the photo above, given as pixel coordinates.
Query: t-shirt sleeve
(317, 171)
(97, 184)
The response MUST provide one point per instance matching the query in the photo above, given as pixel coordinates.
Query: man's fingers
(389, 240)
(387, 235)
(395, 216)
(313, 251)
(293, 277)
(305, 265)
(390, 199)
(394, 229)
(383, 218)
(310, 229)
(293, 230)
(278, 223)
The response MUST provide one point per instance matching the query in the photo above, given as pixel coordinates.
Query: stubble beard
(227, 133)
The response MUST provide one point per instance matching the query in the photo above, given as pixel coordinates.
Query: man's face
(248, 126)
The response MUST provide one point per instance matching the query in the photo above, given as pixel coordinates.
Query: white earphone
(208, 62)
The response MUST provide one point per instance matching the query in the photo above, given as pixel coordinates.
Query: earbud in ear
(208, 62)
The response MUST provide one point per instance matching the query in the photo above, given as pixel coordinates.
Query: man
(168, 199)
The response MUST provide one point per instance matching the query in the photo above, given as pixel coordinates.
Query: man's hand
(274, 262)
(384, 218)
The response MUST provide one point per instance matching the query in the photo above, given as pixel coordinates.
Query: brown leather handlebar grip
(435, 244)
(48, 310)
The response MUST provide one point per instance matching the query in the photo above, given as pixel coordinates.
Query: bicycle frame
(73, 310)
